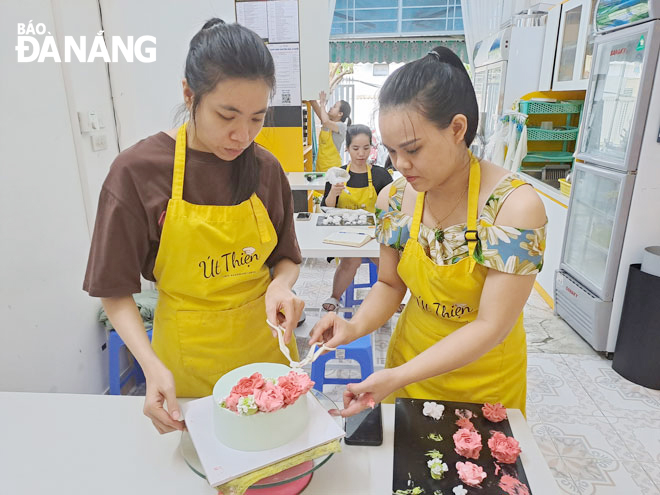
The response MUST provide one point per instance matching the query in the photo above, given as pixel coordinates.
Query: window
(396, 18)
(381, 69)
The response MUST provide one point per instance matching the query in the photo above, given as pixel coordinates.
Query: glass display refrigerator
(615, 194)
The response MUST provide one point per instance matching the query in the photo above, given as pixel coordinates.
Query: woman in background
(365, 182)
(331, 138)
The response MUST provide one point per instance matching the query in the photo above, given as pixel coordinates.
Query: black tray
(370, 222)
(411, 443)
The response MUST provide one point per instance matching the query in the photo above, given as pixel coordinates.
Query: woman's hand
(161, 389)
(283, 307)
(337, 189)
(322, 98)
(368, 393)
(333, 331)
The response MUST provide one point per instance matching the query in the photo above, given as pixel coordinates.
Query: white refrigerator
(614, 209)
(507, 66)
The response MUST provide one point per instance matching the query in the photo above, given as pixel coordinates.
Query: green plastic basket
(541, 107)
(549, 156)
(538, 134)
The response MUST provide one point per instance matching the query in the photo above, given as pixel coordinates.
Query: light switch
(99, 142)
(93, 120)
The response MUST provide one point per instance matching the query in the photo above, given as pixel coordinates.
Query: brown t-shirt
(134, 197)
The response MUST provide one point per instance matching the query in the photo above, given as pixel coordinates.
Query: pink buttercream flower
(302, 380)
(269, 398)
(231, 402)
(470, 473)
(468, 443)
(513, 486)
(494, 412)
(465, 423)
(504, 449)
(247, 385)
(291, 389)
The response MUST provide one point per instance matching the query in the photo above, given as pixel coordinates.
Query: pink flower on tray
(494, 412)
(465, 423)
(505, 449)
(468, 443)
(470, 473)
(247, 385)
(269, 398)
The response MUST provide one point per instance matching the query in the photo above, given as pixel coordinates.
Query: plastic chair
(359, 350)
(115, 343)
(349, 295)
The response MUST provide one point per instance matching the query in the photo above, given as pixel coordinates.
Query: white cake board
(222, 464)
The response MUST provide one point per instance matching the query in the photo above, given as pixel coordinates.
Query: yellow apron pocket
(214, 342)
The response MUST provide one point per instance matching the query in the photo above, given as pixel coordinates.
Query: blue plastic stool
(115, 343)
(349, 295)
(359, 350)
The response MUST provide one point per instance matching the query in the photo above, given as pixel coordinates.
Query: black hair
(355, 130)
(439, 86)
(218, 52)
(345, 109)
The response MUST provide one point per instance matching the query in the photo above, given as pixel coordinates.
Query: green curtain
(390, 51)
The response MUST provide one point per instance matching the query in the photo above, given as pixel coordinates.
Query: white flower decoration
(437, 467)
(246, 405)
(459, 490)
(433, 410)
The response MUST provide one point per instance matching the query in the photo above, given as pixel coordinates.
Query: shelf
(549, 156)
(538, 134)
(608, 216)
(597, 246)
(547, 108)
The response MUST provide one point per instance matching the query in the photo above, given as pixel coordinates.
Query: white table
(310, 238)
(64, 444)
(299, 182)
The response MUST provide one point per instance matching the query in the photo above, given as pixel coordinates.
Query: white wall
(49, 340)
(146, 96)
(556, 210)
(315, 17)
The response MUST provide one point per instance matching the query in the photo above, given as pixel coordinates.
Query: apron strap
(471, 234)
(262, 218)
(179, 163)
(417, 216)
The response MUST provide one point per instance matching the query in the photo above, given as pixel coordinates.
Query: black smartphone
(365, 428)
(304, 215)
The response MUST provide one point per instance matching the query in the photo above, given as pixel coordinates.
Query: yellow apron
(359, 197)
(328, 155)
(212, 279)
(444, 298)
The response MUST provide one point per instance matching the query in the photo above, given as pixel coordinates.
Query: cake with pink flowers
(260, 406)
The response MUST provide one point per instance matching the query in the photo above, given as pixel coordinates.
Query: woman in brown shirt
(207, 214)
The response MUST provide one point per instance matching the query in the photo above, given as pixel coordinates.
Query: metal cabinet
(574, 46)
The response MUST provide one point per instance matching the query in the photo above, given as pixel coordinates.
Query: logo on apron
(229, 263)
(455, 310)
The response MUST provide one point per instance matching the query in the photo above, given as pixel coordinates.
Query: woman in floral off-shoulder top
(464, 236)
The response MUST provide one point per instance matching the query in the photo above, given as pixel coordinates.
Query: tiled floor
(599, 433)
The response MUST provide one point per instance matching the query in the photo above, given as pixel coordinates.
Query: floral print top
(506, 249)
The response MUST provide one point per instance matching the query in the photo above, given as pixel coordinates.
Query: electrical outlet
(99, 142)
